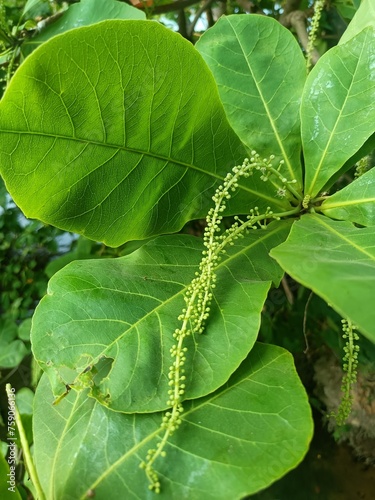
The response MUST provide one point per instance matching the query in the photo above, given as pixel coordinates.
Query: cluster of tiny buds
(351, 350)
(362, 166)
(350, 363)
(199, 294)
(151, 474)
(318, 8)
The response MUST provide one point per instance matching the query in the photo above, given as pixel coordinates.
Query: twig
(181, 18)
(246, 5)
(210, 17)
(289, 6)
(297, 20)
(305, 321)
(170, 7)
(198, 14)
(287, 290)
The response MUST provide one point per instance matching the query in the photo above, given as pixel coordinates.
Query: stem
(176, 410)
(310, 50)
(25, 448)
(252, 221)
(4, 37)
(319, 199)
(198, 295)
(288, 185)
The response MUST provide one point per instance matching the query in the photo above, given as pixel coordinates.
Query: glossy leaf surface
(231, 443)
(116, 131)
(337, 261)
(256, 62)
(356, 202)
(108, 324)
(338, 113)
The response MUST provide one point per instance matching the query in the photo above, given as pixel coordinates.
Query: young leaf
(337, 261)
(116, 131)
(109, 325)
(340, 87)
(231, 443)
(355, 203)
(256, 62)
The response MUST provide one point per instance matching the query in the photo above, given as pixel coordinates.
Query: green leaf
(32, 4)
(3, 193)
(256, 62)
(109, 324)
(337, 261)
(355, 203)
(24, 330)
(365, 16)
(232, 443)
(12, 350)
(345, 8)
(116, 131)
(84, 13)
(82, 251)
(337, 111)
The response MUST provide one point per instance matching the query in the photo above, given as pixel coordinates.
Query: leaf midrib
(177, 295)
(149, 154)
(206, 400)
(278, 139)
(339, 204)
(344, 238)
(338, 119)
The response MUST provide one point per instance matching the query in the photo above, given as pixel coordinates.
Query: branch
(246, 5)
(162, 9)
(289, 6)
(297, 20)
(182, 24)
(198, 14)
(210, 17)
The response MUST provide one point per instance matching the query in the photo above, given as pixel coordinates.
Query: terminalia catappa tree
(124, 131)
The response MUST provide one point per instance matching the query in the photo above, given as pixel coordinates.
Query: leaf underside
(355, 202)
(337, 261)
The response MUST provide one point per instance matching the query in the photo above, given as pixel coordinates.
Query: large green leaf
(365, 16)
(356, 202)
(117, 316)
(116, 131)
(337, 261)
(84, 13)
(338, 113)
(232, 443)
(260, 72)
